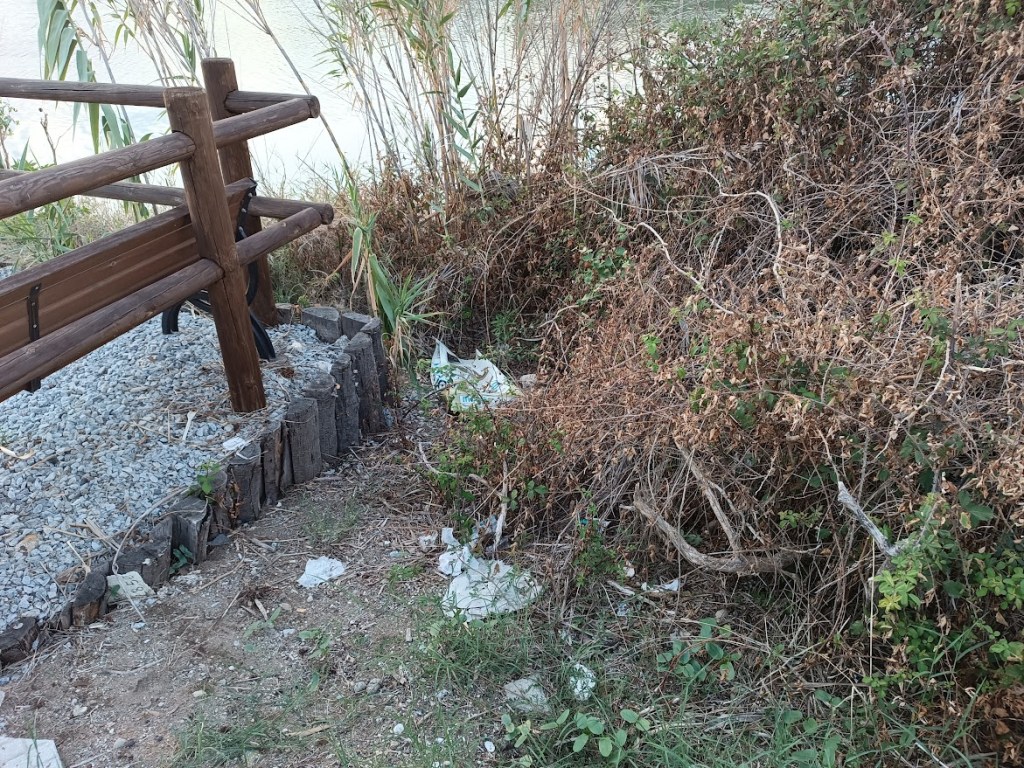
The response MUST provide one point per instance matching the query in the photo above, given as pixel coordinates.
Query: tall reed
(444, 84)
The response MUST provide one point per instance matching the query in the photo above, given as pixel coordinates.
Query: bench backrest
(46, 298)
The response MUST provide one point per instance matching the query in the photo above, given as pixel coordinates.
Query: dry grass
(793, 266)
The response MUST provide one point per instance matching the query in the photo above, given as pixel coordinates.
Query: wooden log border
(252, 480)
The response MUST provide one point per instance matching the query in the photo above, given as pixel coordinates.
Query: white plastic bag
(469, 385)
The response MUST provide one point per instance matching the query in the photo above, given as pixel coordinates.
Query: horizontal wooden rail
(23, 193)
(231, 130)
(276, 208)
(277, 235)
(84, 93)
(155, 194)
(237, 102)
(240, 102)
(58, 349)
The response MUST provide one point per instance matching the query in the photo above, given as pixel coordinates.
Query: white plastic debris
(448, 538)
(582, 682)
(321, 570)
(469, 385)
(453, 562)
(37, 753)
(526, 695)
(127, 586)
(481, 587)
(486, 587)
(235, 444)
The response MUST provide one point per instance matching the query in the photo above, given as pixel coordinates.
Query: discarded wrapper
(469, 385)
(127, 586)
(320, 571)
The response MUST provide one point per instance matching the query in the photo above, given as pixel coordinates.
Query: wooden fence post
(189, 113)
(235, 163)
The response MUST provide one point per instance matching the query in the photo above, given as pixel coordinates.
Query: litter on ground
(582, 682)
(28, 753)
(127, 586)
(479, 587)
(469, 385)
(321, 570)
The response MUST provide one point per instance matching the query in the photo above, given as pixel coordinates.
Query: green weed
(328, 524)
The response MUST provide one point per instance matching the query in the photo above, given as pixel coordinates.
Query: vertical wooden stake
(188, 113)
(235, 163)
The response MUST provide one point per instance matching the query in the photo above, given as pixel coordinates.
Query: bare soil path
(234, 664)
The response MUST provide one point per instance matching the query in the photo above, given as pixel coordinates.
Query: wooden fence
(58, 311)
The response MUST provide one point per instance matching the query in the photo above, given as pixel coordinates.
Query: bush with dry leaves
(785, 328)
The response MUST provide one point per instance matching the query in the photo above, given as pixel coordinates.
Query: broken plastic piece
(127, 586)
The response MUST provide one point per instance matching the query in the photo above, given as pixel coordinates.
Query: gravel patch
(108, 438)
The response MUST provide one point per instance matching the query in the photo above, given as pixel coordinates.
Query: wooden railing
(54, 313)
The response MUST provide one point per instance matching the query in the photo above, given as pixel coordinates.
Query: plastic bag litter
(38, 753)
(582, 682)
(480, 588)
(486, 587)
(469, 385)
(320, 571)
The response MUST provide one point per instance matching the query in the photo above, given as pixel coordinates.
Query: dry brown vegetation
(779, 297)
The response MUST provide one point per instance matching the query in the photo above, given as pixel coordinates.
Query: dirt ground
(233, 663)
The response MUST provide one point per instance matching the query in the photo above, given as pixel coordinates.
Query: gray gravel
(107, 438)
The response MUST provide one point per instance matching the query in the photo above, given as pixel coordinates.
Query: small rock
(120, 744)
(198, 694)
(489, 747)
(373, 686)
(359, 686)
(398, 730)
(79, 711)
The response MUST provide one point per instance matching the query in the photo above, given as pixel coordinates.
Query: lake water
(288, 155)
(283, 155)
